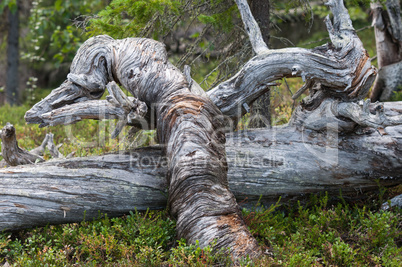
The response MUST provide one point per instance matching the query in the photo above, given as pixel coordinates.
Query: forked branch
(343, 68)
(117, 105)
(360, 113)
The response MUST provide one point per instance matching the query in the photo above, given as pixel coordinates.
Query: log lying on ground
(263, 164)
(191, 125)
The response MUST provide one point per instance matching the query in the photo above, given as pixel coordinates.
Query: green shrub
(313, 234)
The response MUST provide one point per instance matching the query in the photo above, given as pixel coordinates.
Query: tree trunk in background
(12, 57)
(388, 34)
(261, 108)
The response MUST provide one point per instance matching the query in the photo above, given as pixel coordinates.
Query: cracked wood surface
(265, 164)
(192, 126)
(188, 124)
(343, 68)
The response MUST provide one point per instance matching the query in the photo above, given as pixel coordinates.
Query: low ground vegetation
(321, 232)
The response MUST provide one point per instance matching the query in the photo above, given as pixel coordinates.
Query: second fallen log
(263, 165)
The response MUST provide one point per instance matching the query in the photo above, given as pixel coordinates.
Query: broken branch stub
(53, 149)
(11, 152)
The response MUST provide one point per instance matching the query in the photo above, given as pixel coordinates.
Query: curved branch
(252, 28)
(347, 76)
(191, 126)
(188, 124)
(360, 113)
(343, 68)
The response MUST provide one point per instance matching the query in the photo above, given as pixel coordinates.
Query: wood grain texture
(342, 68)
(262, 164)
(251, 27)
(11, 152)
(191, 126)
(188, 124)
(387, 24)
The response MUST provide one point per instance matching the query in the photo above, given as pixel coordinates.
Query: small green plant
(316, 233)
(193, 255)
(31, 86)
(397, 95)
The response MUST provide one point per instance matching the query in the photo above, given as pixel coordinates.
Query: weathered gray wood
(389, 79)
(251, 27)
(361, 115)
(192, 126)
(346, 116)
(69, 190)
(11, 152)
(14, 155)
(260, 115)
(395, 202)
(53, 149)
(388, 34)
(41, 149)
(263, 164)
(342, 68)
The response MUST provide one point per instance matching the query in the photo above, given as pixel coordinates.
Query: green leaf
(3, 4)
(58, 5)
(12, 5)
(206, 19)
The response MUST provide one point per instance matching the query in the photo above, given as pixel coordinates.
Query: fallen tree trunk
(191, 125)
(263, 164)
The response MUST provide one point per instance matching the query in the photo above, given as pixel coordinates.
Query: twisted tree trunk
(263, 165)
(192, 126)
(188, 124)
